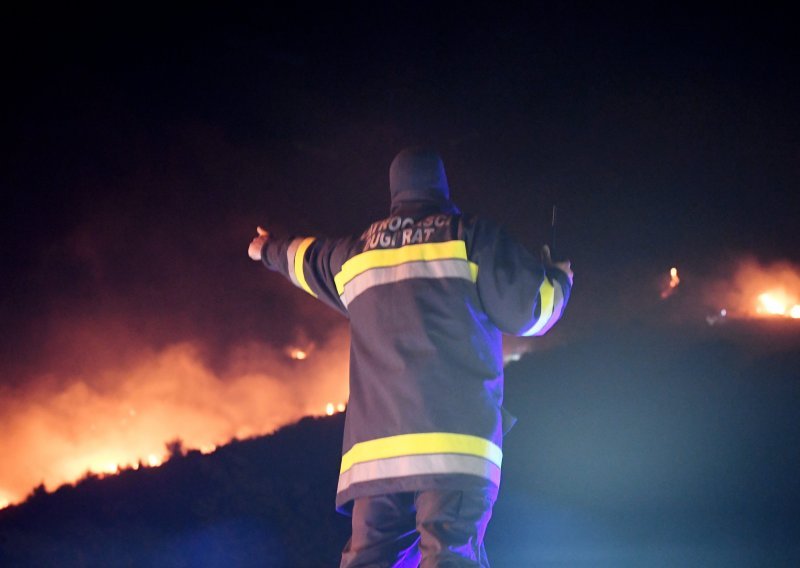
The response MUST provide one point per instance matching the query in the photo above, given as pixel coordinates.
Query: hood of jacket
(417, 177)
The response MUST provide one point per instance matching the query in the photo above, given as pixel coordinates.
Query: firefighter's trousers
(426, 528)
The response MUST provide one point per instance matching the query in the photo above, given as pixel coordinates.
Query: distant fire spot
(331, 409)
(672, 284)
(778, 303)
(760, 291)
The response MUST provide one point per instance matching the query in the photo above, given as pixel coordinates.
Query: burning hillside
(60, 428)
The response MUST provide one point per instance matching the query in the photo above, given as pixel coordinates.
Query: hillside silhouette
(266, 501)
(640, 446)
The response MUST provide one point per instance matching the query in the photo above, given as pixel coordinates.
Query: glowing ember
(298, 354)
(331, 409)
(674, 280)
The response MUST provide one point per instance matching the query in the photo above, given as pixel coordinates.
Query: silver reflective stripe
(425, 464)
(291, 252)
(447, 268)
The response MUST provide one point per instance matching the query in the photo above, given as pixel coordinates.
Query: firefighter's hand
(564, 266)
(254, 251)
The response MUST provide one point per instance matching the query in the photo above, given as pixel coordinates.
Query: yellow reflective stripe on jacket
(547, 294)
(425, 443)
(294, 256)
(394, 257)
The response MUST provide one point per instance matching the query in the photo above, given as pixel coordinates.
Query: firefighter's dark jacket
(428, 292)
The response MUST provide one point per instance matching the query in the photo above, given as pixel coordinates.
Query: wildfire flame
(331, 409)
(62, 428)
(761, 291)
(778, 303)
(674, 280)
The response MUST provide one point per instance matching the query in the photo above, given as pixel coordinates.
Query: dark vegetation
(261, 502)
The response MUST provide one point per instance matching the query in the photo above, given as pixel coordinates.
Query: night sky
(143, 145)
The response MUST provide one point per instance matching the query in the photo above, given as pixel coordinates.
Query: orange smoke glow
(60, 428)
(761, 291)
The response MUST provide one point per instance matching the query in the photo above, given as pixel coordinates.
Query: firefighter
(428, 291)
